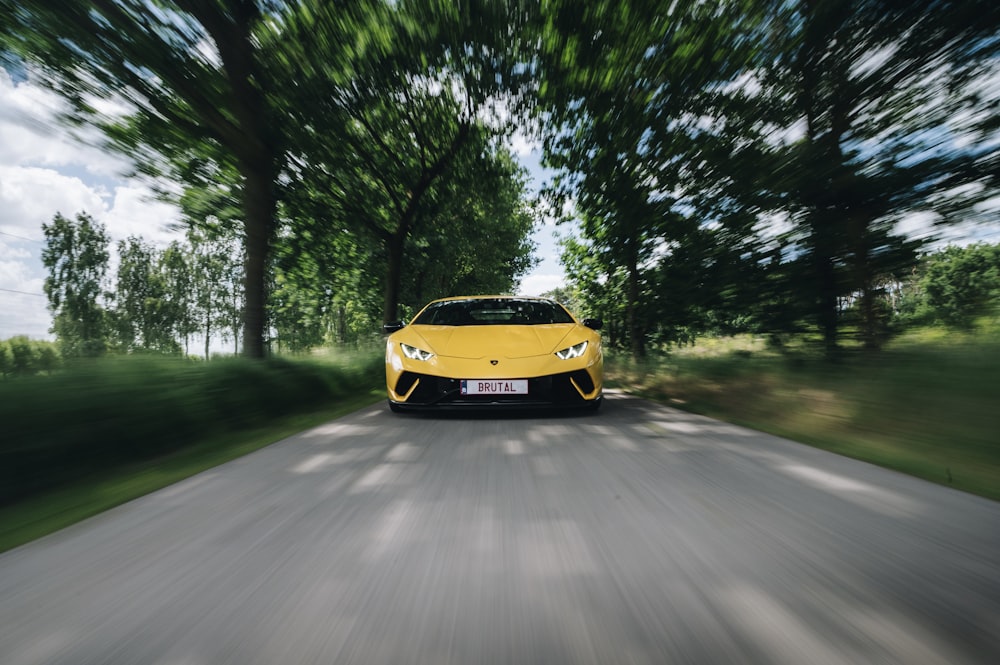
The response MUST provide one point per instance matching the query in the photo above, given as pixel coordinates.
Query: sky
(44, 171)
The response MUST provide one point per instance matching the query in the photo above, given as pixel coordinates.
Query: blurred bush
(109, 411)
(21, 356)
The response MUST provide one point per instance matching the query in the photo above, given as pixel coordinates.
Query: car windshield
(493, 311)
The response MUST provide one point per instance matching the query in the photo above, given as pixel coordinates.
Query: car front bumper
(579, 388)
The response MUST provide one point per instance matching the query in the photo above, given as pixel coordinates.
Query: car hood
(495, 340)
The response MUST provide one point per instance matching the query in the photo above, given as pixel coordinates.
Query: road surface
(640, 535)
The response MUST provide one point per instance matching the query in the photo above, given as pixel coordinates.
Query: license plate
(494, 386)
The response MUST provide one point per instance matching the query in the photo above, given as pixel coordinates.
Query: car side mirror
(593, 324)
(393, 326)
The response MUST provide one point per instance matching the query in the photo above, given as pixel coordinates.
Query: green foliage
(686, 132)
(960, 284)
(110, 411)
(922, 407)
(20, 356)
(76, 257)
(148, 313)
(386, 130)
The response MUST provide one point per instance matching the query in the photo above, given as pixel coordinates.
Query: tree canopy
(735, 165)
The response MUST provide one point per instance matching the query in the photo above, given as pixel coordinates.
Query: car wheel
(395, 408)
(592, 407)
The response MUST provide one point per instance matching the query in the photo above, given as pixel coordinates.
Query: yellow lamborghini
(486, 351)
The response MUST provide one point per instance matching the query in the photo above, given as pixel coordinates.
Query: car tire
(395, 408)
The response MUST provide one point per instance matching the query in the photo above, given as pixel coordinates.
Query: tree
(683, 130)
(20, 356)
(194, 78)
(875, 84)
(471, 235)
(961, 284)
(626, 90)
(149, 310)
(76, 257)
(6, 359)
(177, 272)
(24, 356)
(375, 133)
(215, 299)
(599, 285)
(477, 237)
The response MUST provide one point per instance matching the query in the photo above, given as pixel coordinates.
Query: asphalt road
(640, 535)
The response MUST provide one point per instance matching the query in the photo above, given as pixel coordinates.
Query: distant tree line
(155, 301)
(954, 287)
(160, 300)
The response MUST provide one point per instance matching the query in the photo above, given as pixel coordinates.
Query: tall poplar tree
(76, 257)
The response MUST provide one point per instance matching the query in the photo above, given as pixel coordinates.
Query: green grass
(927, 405)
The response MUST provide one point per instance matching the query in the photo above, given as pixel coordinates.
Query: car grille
(554, 389)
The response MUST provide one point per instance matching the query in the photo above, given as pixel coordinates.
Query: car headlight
(413, 353)
(574, 351)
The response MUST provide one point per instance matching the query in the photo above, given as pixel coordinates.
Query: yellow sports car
(486, 351)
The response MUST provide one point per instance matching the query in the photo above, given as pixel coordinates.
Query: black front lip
(434, 392)
(492, 406)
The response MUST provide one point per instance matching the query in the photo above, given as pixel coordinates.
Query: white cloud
(31, 196)
(29, 135)
(917, 225)
(135, 213)
(536, 284)
(522, 146)
(43, 171)
(22, 306)
(747, 83)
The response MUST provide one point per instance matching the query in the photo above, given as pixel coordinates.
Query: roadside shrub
(110, 411)
(21, 356)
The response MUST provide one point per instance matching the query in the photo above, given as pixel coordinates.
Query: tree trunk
(259, 206)
(864, 282)
(828, 323)
(394, 273)
(208, 331)
(396, 241)
(636, 335)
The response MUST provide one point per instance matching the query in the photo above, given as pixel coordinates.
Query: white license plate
(494, 386)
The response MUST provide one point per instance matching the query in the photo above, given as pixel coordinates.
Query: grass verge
(924, 406)
(55, 509)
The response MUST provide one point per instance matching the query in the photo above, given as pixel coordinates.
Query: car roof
(489, 297)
